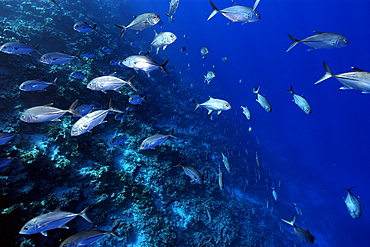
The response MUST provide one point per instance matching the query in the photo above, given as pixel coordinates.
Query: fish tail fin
(349, 190)
(83, 215)
(78, 55)
(94, 28)
(113, 231)
(111, 106)
(163, 66)
(171, 133)
(197, 105)
(256, 89)
(37, 49)
(291, 222)
(214, 12)
(327, 75)
(129, 82)
(123, 29)
(290, 90)
(71, 109)
(295, 42)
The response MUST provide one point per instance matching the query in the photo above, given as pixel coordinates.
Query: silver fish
(144, 63)
(304, 235)
(39, 114)
(204, 51)
(193, 173)
(163, 39)
(88, 237)
(226, 162)
(135, 99)
(246, 112)
(174, 4)
(140, 22)
(358, 80)
(274, 194)
(220, 179)
(237, 13)
(49, 221)
(56, 58)
(91, 120)
(36, 85)
(212, 104)
(110, 82)
(300, 101)
(353, 204)
(83, 27)
(155, 140)
(17, 48)
(262, 100)
(321, 41)
(209, 76)
(5, 137)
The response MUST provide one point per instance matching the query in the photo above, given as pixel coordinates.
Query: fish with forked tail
(304, 235)
(262, 100)
(353, 204)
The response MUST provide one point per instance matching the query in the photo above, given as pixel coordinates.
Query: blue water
(313, 156)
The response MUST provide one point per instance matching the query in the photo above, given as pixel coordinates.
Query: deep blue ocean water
(314, 156)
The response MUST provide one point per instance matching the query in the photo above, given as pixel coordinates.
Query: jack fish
(353, 204)
(300, 101)
(49, 221)
(320, 41)
(304, 235)
(110, 82)
(210, 75)
(193, 173)
(226, 162)
(140, 22)
(56, 58)
(83, 27)
(237, 13)
(204, 51)
(155, 140)
(144, 63)
(262, 100)
(358, 80)
(163, 39)
(174, 4)
(17, 48)
(212, 104)
(35, 85)
(246, 112)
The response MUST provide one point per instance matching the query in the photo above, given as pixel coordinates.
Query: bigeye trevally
(353, 204)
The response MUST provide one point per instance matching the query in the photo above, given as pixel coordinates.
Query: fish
(36, 85)
(209, 76)
(17, 48)
(136, 172)
(39, 114)
(140, 22)
(170, 202)
(224, 59)
(88, 237)
(77, 75)
(246, 112)
(174, 4)
(262, 100)
(304, 235)
(117, 140)
(163, 39)
(110, 82)
(258, 160)
(144, 63)
(193, 173)
(204, 51)
(353, 204)
(226, 162)
(297, 209)
(357, 80)
(135, 99)
(220, 179)
(5, 161)
(49, 221)
(106, 49)
(88, 54)
(155, 140)
(274, 194)
(56, 58)
(212, 104)
(5, 137)
(83, 27)
(321, 41)
(91, 120)
(83, 109)
(237, 13)
(114, 62)
(300, 101)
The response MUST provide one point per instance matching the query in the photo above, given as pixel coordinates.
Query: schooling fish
(209, 76)
(262, 100)
(246, 112)
(77, 75)
(105, 83)
(135, 99)
(174, 4)
(140, 22)
(300, 101)
(163, 39)
(226, 162)
(212, 104)
(49, 221)
(155, 140)
(17, 48)
(117, 140)
(321, 41)
(237, 13)
(353, 204)
(36, 85)
(88, 237)
(83, 27)
(204, 51)
(193, 173)
(88, 54)
(56, 58)
(144, 63)
(358, 80)
(304, 235)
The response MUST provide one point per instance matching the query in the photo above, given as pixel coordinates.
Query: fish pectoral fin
(64, 227)
(44, 233)
(345, 88)
(210, 111)
(219, 112)
(365, 92)
(56, 120)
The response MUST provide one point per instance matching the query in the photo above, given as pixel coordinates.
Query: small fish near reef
(140, 22)
(83, 27)
(36, 85)
(144, 63)
(162, 39)
(174, 4)
(353, 204)
(356, 80)
(304, 235)
(135, 99)
(17, 48)
(262, 100)
(300, 101)
(77, 75)
(117, 140)
(193, 173)
(320, 41)
(57, 58)
(155, 140)
(49, 221)
(237, 13)
(212, 104)
(105, 83)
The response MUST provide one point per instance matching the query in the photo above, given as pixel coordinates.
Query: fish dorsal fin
(235, 3)
(50, 104)
(135, 16)
(156, 34)
(113, 74)
(357, 69)
(255, 4)
(210, 97)
(318, 32)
